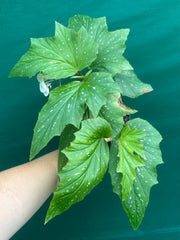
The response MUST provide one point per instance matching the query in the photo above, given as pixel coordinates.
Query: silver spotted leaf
(131, 156)
(111, 44)
(57, 57)
(88, 158)
(66, 106)
(116, 177)
(130, 85)
(146, 176)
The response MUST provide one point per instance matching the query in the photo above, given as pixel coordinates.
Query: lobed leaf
(130, 85)
(66, 106)
(111, 44)
(88, 158)
(146, 176)
(57, 57)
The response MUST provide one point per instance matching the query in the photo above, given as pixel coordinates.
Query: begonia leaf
(146, 176)
(130, 85)
(57, 57)
(88, 158)
(66, 106)
(111, 45)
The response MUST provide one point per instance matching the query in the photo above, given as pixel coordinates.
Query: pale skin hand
(23, 189)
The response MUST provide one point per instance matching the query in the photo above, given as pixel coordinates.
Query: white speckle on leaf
(77, 173)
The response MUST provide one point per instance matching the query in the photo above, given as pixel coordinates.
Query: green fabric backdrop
(153, 48)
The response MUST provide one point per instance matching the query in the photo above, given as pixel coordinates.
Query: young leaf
(146, 176)
(131, 154)
(111, 44)
(130, 84)
(88, 158)
(57, 57)
(113, 112)
(66, 106)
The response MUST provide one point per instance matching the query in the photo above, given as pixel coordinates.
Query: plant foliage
(89, 111)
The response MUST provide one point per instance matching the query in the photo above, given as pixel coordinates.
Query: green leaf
(111, 44)
(136, 203)
(113, 111)
(57, 57)
(130, 84)
(116, 177)
(88, 158)
(66, 138)
(131, 154)
(66, 106)
(146, 176)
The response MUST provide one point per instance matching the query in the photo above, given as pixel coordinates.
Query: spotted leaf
(57, 57)
(116, 177)
(88, 158)
(130, 85)
(146, 176)
(111, 44)
(66, 106)
(131, 156)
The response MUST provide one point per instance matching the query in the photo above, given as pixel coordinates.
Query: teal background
(153, 49)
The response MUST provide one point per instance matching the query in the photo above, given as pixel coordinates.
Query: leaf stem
(79, 73)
